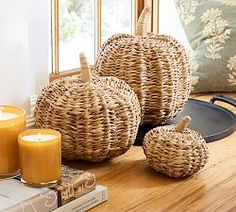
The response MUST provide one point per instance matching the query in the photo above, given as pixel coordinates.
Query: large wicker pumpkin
(97, 116)
(155, 66)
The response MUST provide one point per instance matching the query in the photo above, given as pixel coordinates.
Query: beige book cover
(17, 197)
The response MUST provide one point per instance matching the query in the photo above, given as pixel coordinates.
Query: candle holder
(40, 157)
(12, 123)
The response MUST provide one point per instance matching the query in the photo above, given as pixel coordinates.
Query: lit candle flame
(39, 137)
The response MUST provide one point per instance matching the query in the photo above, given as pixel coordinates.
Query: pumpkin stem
(85, 72)
(183, 124)
(141, 29)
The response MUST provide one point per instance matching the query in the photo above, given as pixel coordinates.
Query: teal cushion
(210, 26)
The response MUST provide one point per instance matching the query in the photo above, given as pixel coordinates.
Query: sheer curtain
(23, 50)
(170, 23)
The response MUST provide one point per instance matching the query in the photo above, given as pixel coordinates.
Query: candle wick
(39, 137)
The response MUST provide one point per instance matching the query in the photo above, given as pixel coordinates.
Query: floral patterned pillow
(210, 26)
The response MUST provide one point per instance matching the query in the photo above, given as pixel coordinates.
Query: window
(83, 25)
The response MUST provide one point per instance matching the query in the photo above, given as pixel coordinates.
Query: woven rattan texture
(98, 120)
(175, 154)
(155, 66)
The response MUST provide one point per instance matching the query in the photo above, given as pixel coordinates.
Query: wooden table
(133, 186)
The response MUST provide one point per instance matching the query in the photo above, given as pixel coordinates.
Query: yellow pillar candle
(40, 156)
(12, 123)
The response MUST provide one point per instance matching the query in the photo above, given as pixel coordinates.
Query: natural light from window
(116, 17)
(77, 24)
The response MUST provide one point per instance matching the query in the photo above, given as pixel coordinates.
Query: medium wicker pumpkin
(98, 117)
(175, 150)
(155, 66)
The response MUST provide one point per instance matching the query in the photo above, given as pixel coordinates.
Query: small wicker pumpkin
(155, 66)
(175, 150)
(98, 117)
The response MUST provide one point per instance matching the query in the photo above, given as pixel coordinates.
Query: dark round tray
(212, 121)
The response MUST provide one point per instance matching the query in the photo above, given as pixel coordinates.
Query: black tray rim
(225, 133)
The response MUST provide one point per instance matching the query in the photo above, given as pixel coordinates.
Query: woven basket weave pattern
(97, 120)
(173, 154)
(157, 69)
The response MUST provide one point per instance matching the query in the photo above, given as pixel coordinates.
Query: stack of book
(76, 192)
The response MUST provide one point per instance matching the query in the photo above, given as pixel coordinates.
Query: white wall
(23, 50)
(39, 41)
(170, 23)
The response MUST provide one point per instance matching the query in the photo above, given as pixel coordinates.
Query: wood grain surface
(133, 186)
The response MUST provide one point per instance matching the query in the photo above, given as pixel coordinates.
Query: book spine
(75, 183)
(71, 190)
(86, 202)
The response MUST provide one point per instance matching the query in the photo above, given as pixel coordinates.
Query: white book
(86, 202)
(16, 197)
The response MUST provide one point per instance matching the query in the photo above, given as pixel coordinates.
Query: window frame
(137, 6)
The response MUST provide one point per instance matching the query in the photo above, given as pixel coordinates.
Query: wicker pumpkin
(98, 117)
(175, 150)
(155, 66)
